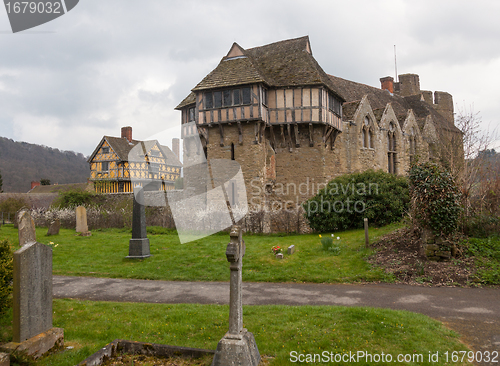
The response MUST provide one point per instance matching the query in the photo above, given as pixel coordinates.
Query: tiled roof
(348, 110)
(285, 63)
(171, 158)
(379, 98)
(122, 148)
(231, 72)
(190, 99)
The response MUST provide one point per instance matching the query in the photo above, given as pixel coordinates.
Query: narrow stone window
(232, 151)
(366, 133)
(413, 145)
(391, 149)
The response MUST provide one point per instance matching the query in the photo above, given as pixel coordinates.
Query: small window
(236, 97)
(191, 114)
(227, 98)
(155, 153)
(246, 96)
(232, 151)
(217, 99)
(209, 103)
(105, 166)
(264, 96)
(105, 150)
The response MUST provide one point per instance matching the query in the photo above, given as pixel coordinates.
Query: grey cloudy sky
(112, 63)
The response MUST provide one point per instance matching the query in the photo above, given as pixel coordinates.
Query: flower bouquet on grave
(276, 249)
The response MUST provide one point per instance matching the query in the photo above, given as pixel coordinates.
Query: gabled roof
(279, 64)
(231, 72)
(379, 98)
(170, 157)
(122, 147)
(190, 99)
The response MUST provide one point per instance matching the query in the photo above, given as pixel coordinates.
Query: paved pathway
(472, 312)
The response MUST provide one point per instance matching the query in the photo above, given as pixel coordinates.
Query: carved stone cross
(238, 346)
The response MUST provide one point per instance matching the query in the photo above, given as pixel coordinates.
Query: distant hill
(21, 163)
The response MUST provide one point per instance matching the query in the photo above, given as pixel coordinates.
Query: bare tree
(474, 171)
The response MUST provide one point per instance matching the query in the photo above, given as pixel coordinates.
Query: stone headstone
(54, 227)
(139, 244)
(279, 255)
(32, 306)
(26, 229)
(32, 291)
(18, 215)
(238, 346)
(291, 249)
(81, 220)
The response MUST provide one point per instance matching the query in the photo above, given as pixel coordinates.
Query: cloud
(122, 62)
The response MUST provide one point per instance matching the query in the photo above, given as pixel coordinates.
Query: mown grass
(103, 255)
(278, 330)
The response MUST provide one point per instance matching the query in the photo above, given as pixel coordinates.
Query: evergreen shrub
(381, 197)
(435, 198)
(6, 268)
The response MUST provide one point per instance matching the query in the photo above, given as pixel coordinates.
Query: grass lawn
(278, 330)
(103, 255)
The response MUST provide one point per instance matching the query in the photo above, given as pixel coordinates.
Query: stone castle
(292, 127)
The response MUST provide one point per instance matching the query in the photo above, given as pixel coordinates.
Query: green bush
(435, 198)
(6, 258)
(381, 197)
(74, 198)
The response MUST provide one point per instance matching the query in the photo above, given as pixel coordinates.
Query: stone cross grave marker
(54, 227)
(81, 220)
(238, 346)
(26, 229)
(139, 244)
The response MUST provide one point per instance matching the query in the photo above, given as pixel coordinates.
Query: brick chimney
(387, 83)
(127, 133)
(35, 184)
(176, 147)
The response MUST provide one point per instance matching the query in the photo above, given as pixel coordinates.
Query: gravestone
(32, 302)
(238, 346)
(291, 249)
(18, 215)
(139, 244)
(26, 232)
(81, 220)
(54, 227)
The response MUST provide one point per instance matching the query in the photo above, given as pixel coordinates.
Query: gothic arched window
(367, 134)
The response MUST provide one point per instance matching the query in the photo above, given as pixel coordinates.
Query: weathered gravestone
(54, 227)
(18, 215)
(81, 220)
(26, 232)
(32, 302)
(238, 346)
(139, 244)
